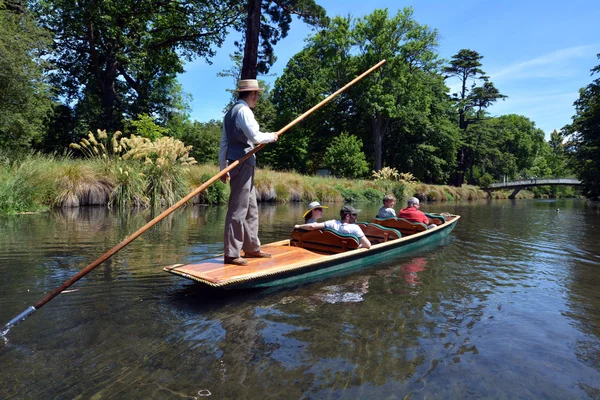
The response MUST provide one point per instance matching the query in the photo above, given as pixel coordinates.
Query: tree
(345, 157)
(401, 112)
(470, 103)
(409, 50)
(507, 145)
(586, 131)
(117, 59)
(464, 66)
(303, 84)
(266, 23)
(24, 91)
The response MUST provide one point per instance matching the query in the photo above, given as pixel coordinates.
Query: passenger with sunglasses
(346, 224)
(314, 212)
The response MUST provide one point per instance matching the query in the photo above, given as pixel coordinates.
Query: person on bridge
(412, 213)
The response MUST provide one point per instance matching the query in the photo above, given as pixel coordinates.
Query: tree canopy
(24, 91)
(116, 59)
(586, 131)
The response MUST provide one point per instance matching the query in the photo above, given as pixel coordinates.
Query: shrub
(214, 194)
(372, 195)
(345, 157)
(349, 195)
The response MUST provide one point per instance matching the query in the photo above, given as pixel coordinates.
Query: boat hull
(293, 265)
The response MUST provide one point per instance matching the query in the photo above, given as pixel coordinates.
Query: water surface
(507, 307)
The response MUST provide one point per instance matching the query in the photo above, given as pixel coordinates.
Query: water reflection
(506, 307)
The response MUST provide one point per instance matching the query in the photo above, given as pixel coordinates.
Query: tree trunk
(379, 128)
(109, 95)
(249, 69)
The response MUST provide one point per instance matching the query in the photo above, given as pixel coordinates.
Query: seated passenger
(387, 210)
(314, 212)
(413, 214)
(346, 224)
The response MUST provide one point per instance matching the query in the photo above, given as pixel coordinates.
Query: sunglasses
(354, 215)
(318, 209)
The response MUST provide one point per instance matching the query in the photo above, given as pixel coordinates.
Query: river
(507, 307)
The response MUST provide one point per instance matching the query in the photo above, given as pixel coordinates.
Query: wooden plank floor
(284, 258)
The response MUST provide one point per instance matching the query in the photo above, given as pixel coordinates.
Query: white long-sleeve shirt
(246, 122)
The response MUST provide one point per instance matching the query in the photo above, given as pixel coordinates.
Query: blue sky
(538, 53)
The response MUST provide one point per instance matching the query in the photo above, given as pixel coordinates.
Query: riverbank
(40, 182)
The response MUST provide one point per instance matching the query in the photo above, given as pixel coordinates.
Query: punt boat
(311, 255)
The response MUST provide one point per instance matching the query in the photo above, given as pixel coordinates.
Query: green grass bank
(40, 182)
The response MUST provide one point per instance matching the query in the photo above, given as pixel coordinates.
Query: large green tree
(586, 132)
(117, 59)
(24, 92)
(401, 112)
(507, 145)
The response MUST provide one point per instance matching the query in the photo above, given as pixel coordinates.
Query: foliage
(345, 157)
(470, 103)
(266, 23)
(24, 91)
(118, 59)
(486, 180)
(145, 126)
(392, 174)
(586, 135)
(505, 146)
(160, 164)
(350, 195)
(406, 98)
(215, 193)
(26, 185)
(372, 195)
(203, 137)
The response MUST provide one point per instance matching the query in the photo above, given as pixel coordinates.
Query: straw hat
(248, 85)
(312, 206)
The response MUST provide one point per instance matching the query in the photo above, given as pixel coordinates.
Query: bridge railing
(536, 182)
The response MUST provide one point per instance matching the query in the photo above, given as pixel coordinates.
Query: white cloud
(557, 64)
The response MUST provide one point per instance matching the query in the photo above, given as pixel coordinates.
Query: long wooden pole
(154, 221)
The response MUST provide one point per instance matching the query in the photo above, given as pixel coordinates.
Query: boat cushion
(377, 233)
(405, 227)
(324, 240)
(435, 218)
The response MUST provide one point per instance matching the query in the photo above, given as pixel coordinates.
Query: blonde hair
(388, 197)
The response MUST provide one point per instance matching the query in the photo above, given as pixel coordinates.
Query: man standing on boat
(412, 213)
(240, 133)
(346, 224)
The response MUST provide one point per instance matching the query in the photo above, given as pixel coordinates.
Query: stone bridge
(530, 182)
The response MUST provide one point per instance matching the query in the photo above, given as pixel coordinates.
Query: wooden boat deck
(285, 259)
(214, 272)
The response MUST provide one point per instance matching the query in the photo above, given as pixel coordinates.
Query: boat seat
(436, 218)
(405, 226)
(377, 233)
(324, 240)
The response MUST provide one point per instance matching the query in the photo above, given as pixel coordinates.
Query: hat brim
(310, 209)
(250, 90)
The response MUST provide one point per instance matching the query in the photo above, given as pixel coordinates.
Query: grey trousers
(241, 223)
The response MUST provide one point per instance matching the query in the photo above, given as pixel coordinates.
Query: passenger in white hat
(314, 212)
(240, 133)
